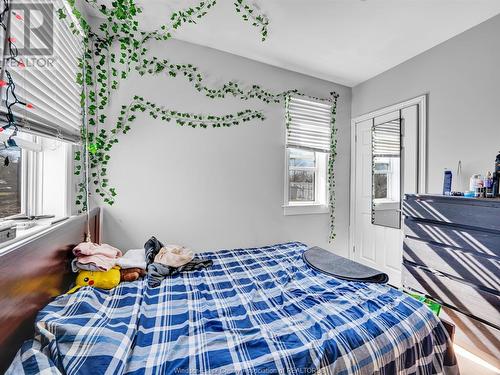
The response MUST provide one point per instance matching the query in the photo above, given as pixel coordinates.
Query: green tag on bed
(432, 305)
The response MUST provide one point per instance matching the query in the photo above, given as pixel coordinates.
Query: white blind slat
(36, 87)
(309, 124)
(386, 139)
(310, 115)
(309, 108)
(302, 130)
(307, 120)
(309, 102)
(52, 89)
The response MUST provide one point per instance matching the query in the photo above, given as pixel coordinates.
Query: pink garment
(103, 262)
(89, 248)
(174, 255)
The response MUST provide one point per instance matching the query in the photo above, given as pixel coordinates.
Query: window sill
(305, 209)
(25, 234)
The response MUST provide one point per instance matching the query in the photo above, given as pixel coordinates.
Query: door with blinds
(385, 167)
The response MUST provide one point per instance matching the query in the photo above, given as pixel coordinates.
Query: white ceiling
(345, 41)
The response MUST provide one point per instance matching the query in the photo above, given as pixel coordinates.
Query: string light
(11, 99)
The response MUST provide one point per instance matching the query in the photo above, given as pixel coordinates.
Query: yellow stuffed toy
(96, 279)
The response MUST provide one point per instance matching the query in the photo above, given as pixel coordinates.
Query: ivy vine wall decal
(103, 68)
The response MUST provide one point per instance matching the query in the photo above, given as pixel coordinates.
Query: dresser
(451, 253)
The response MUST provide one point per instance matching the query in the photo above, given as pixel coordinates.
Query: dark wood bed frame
(32, 274)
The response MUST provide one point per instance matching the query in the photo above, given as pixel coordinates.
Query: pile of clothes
(163, 261)
(160, 261)
(102, 258)
(132, 263)
(94, 257)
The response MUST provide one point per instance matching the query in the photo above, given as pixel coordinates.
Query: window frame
(60, 122)
(320, 203)
(295, 168)
(390, 175)
(32, 164)
(29, 149)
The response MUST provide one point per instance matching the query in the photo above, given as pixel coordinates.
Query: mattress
(255, 311)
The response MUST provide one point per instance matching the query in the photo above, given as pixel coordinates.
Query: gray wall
(215, 188)
(462, 78)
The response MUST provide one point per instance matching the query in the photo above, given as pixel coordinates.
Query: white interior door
(373, 245)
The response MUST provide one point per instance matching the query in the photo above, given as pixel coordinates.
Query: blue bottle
(447, 182)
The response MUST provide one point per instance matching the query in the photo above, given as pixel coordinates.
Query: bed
(33, 271)
(255, 311)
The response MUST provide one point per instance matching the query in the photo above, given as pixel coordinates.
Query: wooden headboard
(32, 274)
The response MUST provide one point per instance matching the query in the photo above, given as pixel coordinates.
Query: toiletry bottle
(476, 185)
(447, 182)
(472, 183)
(488, 185)
(496, 177)
(457, 188)
(479, 186)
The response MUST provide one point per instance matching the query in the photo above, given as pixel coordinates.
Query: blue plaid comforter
(255, 311)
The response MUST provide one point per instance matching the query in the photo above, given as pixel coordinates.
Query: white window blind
(387, 139)
(308, 124)
(48, 81)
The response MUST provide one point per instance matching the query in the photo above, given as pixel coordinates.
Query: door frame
(421, 101)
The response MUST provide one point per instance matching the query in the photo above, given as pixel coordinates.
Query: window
(54, 184)
(302, 176)
(386, 176)
(36, 175)
(14, 174)
(386, 154)
(308, 144)
(34, 179)
(10, 182)
(380, 177)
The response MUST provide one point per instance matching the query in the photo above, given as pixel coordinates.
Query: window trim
(21, 142)
(32, 159)
(320, 204)
(314, 169)
(29, 149)
(38, 181)
(390, 175)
